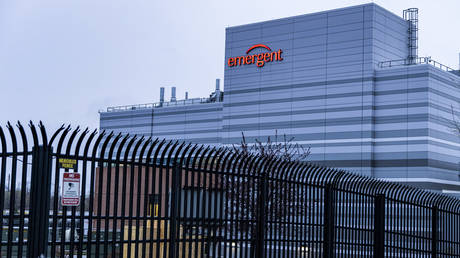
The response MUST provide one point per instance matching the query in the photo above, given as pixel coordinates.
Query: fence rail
(143, 197)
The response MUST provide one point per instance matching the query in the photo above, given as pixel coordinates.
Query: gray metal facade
(194, 122)
(330, 93)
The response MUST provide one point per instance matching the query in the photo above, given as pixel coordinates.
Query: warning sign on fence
(70, 189)
(68, 163)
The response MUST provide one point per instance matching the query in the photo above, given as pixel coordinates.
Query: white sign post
(70, 189)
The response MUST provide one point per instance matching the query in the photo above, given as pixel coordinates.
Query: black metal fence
(138, 197)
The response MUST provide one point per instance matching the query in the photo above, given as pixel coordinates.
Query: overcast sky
(62, 61)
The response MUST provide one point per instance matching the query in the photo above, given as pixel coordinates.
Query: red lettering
(230, 61)
(240, 60)
(279, 55)
(267, 57)
(248, 59)
(258, 59)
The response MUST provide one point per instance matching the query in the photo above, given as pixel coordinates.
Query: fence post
(434, 232)
(329, 225)
(176, 172)
(379, 226)
(261, 218)
(40, 191)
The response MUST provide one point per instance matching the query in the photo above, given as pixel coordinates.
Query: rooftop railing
(158, 105)
(415, 61)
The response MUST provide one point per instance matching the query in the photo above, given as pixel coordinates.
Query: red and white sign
(70, 189)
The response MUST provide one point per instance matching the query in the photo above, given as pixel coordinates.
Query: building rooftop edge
(182, 102)
(399, 63)
(313, 13)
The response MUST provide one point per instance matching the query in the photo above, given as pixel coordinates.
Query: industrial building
(347, 82)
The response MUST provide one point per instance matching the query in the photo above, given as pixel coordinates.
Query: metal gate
(79, 193)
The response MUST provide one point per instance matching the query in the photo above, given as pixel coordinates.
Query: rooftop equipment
(173, 94)
(162, 94)
(217, 89)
